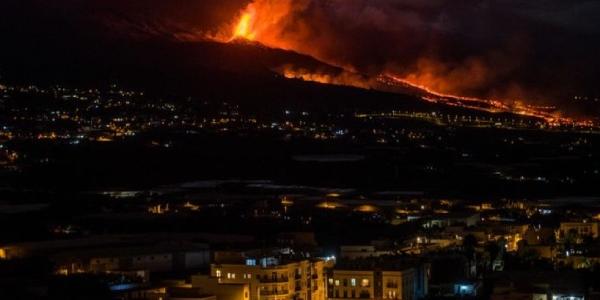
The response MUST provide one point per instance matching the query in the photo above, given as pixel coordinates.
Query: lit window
(218, 273)
(337, 283)
(249, 275)
(230, 275)
(330, 280)
(364, 282)
(353, 281)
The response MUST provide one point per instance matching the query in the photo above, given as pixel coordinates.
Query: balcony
(274, 293)
(274, 280)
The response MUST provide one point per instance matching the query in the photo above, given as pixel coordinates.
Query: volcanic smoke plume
(497, 49)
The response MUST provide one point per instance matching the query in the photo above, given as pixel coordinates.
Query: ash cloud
(541, 51)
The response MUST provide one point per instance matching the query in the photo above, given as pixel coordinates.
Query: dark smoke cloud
(543, 50)
(537, 50)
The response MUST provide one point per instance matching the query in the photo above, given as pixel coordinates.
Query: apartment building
(363, 279)
(274, 278)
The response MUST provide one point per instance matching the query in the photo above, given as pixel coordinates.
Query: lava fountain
(245, 26)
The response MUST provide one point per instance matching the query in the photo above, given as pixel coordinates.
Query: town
(364, 204)
(256, 240)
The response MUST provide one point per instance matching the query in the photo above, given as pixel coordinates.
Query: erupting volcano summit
(267, 22)
(244, 28)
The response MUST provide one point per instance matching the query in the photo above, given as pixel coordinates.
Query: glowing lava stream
(496, 105)
(248, 28)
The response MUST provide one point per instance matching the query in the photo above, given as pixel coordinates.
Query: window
(330, 280)
(218, 273)
(230, 275)
(353, 282)
(364, 282)
(337, 282)
(345, 282)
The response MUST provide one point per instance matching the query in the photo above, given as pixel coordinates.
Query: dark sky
(543, 51)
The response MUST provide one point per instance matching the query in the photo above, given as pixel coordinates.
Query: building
(223, 291)
(176, 293)
(381, 279)
(110, 253)
(577, 230)
(538, 285)
(160, 258)
(269, 277)
(361, 251)
(452, 219)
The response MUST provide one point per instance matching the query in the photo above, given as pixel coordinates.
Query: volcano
(239, 71)
(145, 56)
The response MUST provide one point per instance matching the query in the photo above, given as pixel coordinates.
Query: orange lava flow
(263, 21)
(344, 78)
(495, 106)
